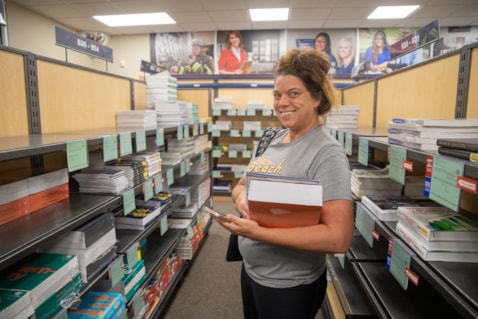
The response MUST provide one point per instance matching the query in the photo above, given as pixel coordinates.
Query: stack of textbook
(174, 114)
(161, 88)
(105, 180)
(439, 234)
(144, 119)
(140, 218)
(94, 243)
(373, 181)
(50, 281)
(222, 103)
(15, 304)
(98, 304)
(151, 162)
(133, 170)
(344, 116)
(463, 148)
(178, 150)
(422, 134)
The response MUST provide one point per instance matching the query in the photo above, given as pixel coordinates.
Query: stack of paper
(160, 88)
(344, 116)
(370, 181)
(103, 181)
(143, 119)
(422, 134)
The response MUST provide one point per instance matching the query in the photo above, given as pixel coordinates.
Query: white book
(437, 122)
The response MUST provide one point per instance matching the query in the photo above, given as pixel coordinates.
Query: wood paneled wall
(472, 104)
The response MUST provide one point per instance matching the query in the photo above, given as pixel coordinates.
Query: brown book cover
(48, 197)
(13, 210)
(275, 215)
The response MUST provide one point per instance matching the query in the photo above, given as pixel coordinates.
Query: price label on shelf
(341, 138)
(443, 188)
(126, 147)
(77, 155)
(140, 138)
(246, 133)
(129, 203)
(110, 148)
(216, 112)
(148, 189)
(241, 112)
(363, 151)
(158, 184)
(159, 137)
(400, 264)
(397, 156)
(348, 144)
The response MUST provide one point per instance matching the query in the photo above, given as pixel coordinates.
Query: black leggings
(301, 302)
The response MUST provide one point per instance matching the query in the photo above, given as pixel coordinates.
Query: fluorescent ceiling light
(273, 14)
(392, 12)
(124, 20)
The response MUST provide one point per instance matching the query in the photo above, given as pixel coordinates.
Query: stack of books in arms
(98, 304)
(373, 181)
(105, 180)
(385, 206)
(94, 243)
(463, 148)
(49, 281)
(439, 234)
(422, 134)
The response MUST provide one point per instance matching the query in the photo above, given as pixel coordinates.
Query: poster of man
(184, 52)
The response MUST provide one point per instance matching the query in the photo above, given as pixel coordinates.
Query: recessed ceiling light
(392, 12)
(124, 20)
(272, 14)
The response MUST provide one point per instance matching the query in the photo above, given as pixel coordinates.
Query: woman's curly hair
(311, 67)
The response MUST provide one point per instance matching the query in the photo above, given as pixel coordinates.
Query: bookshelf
(434, 289)
(228, 163)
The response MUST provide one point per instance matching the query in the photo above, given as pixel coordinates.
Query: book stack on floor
(145, 119)
(439, 234)
(422, 134)
(344, 116)
(151, 162)
(106, 180)
(463, 148)
(94, 243)
(385, 206)
(161, 88)
(49, 280)
(98, 304)
(373, 181)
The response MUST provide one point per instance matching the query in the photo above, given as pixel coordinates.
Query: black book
(461, 154)
(464, 144)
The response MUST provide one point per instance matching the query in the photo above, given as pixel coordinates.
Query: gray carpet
(211, 287)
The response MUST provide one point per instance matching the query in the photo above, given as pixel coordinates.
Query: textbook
(439, 223)
(436, 122)
(278, 201)
(461, 154)
(96, 305)
(428, 254)
(41, 274)
(464, 144)
(385, 206)
(15, 304)
(140, 218)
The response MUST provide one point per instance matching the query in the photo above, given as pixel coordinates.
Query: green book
(40, 274)
(15, 304)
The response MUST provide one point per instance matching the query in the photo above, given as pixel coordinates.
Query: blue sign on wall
(75, 42)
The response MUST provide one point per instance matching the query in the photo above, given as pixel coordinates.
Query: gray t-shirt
(316, 155)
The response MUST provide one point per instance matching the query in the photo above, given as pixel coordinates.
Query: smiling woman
(302, 149)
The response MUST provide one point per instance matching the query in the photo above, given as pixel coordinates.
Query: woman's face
(345, 50)
(295, 107)
(379, 41)
(321, 44)
(234, 40)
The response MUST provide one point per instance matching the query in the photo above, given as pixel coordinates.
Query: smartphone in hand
(219, 215)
